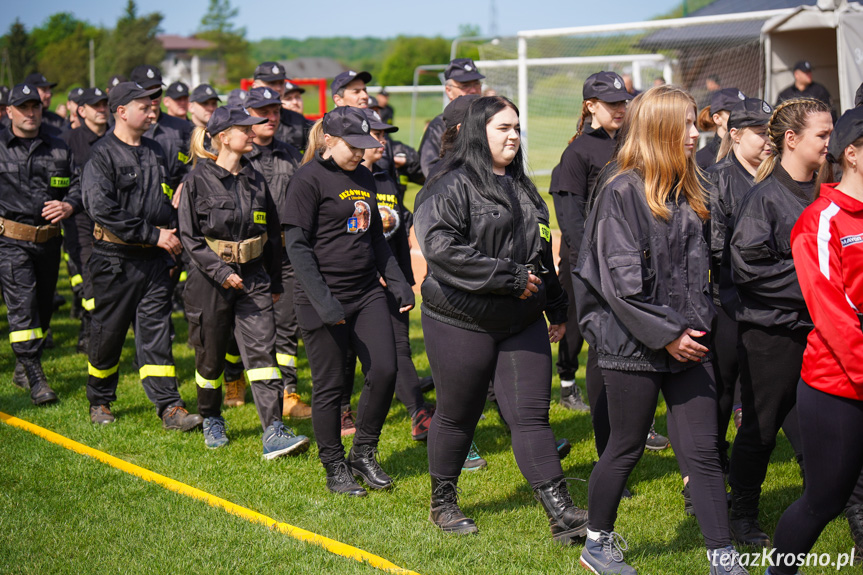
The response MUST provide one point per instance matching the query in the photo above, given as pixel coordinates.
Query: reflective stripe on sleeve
(232, 358)
(89, 304)
(76, 280)
(101, 373)
(209, 383)
(286, 360)
(157, 371)
(184, 275)
(25, 335)
(264, 373)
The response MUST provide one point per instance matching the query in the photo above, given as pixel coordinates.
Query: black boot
(19, 378)
(567, 521)
(445, 512)
(40, 392)
(854, 513)
(364, 464)
(340, 480)
(744, 519)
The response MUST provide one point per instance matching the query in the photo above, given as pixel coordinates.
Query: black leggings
(598, 402)
(462, 363)
(691, 399)
(327, 350)
(832, 427)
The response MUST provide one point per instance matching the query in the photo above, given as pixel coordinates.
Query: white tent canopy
(830, 36)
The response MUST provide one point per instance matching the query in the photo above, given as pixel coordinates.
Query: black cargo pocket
(193, 317)
(220, 212)
(626, 274)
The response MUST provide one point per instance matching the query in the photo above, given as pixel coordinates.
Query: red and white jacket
(827, 244)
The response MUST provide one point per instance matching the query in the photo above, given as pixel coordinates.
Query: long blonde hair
(654, 150)
(197, 149)
(790, 115)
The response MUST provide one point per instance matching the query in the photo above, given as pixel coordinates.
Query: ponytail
(585, 114)
(790, 115)
(705, 121)
(197, 149)
(726, 145)
(315, 143)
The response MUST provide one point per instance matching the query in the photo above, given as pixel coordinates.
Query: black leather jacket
(478, 253)
(430, 144)
(641, 281)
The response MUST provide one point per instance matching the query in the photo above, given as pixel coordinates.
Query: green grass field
(61, 512)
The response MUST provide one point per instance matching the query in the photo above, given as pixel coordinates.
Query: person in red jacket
(827, 245)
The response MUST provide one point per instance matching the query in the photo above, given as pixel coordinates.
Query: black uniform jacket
(219, 205)
(641, 281)
(80, 142)
(277, 162)
(430, 144)
(54, 120)
(762, 269)
(727, 183)
(389, 196)
(478, 252)
(706, 156)
(813, 90)
(574, 177)
(126, 191)
(174, 135)
(33, 172)
(293, 129)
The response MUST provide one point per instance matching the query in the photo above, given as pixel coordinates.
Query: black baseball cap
(22, 93)
(291, 87)
(4, 95)
(351, 125)
(75, 95)
(147, 76)
(237, 97)
(848, 129)
(116, 79)
(384, 92)
(375, 121)
(749, 112)
(270, 72)
(858, 98)
(177, 90)
(346, 78)
(373, 102)
(203, 93)
(262, 96)
(462, 70)
(39, 80)
(125, 92)
(228, 116)
(605, 86)
(802, 65)
(725, 99)
(92, 96)
(455, 111)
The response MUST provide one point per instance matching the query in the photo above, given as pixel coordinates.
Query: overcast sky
(388, 18)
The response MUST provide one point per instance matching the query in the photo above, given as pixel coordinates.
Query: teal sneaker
(473, 460)
(214, 432)
(280, 440)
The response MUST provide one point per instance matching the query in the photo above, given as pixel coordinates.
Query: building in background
(182, 64)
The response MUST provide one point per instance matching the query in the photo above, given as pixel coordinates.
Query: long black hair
(472, 154)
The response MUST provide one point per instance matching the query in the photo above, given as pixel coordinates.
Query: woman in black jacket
(641, 287)
(335, 241)
(229, 227)
(766, 299)
(484, 232)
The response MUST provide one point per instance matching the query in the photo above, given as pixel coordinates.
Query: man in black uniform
(202, 103)
(4, 101)
(386, 111)
(804, 87)
(72, 104)
(293, 97)
(278, 161)
(39, 187)
(78, 230)
(177, 100)
(462, 78)
(293, 126)
(126, 193)
(45, 94)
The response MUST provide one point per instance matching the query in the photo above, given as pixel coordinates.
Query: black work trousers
(571, 344)
(212, 311)
(691, 399)
(28, 275)
(367, 331)
(136, 292)
(832, 427)
(770, 363)
(78, 243)
(462, 363)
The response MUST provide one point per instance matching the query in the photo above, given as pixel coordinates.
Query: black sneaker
(655, 441)
(570, 397)
(563, 447)
(426, 383)
(340, 480)
(177, 418)
(364, 463)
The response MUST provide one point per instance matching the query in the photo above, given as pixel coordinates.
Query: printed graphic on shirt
(851, 240)
(361, 219)
(390, 219)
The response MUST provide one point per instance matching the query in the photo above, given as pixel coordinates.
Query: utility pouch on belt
(25, 233)
(238, 252)
(106, 235)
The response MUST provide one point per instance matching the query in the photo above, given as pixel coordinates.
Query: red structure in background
(320, 83)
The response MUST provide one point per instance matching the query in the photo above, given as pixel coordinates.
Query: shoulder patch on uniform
(545, 232)
(260, 217)
(168, 191)
(60, 182)
(183, 157)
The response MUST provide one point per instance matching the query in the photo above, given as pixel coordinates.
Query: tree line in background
(60, 49)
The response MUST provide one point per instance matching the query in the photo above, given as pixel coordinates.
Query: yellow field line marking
(330, 545)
